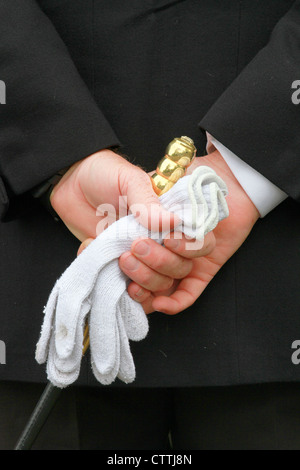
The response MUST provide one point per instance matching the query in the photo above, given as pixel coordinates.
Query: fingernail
(131, 263)
(142, 248)
(139, 293)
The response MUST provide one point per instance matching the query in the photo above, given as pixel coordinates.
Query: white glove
(93, 285)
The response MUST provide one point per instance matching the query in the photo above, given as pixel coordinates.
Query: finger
(145, 298)
(84, 245)
(188, 289)
(190, 248)
(161, 259)
(138, 293)
(144, 203)
(141, 295)
(147, 305)
(81, 219)
(182, 298)
(142, 274)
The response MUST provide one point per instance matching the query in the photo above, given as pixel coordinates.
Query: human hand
(106, 178)
(171, 278)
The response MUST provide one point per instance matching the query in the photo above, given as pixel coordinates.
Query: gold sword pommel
(179, 155)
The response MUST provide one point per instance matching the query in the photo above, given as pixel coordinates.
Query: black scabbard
(38, 417)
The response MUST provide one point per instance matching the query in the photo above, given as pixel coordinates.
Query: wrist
(43, 191)
(71, 174)
(217, 162)
(74, 188)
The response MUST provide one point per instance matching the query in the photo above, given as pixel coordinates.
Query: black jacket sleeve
(256, 117)
(50, 119)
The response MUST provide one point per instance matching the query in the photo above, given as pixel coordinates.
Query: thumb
(145, 205)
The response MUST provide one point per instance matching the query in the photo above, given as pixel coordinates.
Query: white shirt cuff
(264, 194)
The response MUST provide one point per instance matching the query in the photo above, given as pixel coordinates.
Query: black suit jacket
(82, 75)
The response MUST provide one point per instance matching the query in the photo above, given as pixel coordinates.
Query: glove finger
(135, 320)
(109, 377)
(75, 287)
(74, 359)
(126, 371)
(199, 202)
(71, 313)
(42, 346)
(108, 288)
(56, 376)
(207, 193)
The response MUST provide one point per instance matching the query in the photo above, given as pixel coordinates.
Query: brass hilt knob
(178, 156)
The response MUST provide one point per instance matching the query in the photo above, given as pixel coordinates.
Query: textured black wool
(85, 75)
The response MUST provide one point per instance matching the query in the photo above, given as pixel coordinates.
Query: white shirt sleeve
(264, 194)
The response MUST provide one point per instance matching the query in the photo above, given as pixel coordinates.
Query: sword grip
(179, 155)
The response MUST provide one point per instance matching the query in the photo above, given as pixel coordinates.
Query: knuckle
(210, 243)
(159, 263)
(55, 199)
(166, 284)
(184, 268)
(59, 201)
(145, 278)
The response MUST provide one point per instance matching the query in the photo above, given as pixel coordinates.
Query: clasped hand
(166, 278)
